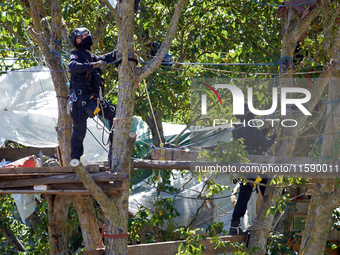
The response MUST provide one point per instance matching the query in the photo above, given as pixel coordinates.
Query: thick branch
(150, 67)
(36, 31)
(101, 26)
(12, 239)
(103, 200)
(113, 12)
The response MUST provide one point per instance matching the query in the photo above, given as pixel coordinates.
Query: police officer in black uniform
(86, 88)
(256, 143)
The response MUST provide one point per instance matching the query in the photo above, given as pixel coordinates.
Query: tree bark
(262, 224)
(121, 146)
(325, 197)
(287, 218)
(88, 220)
(292, 30)
(151, 123)
(116, 223)
(319, 219)
(58, 205)
(57, 223)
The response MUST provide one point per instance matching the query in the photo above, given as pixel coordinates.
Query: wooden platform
(57, 180)
(171, 247)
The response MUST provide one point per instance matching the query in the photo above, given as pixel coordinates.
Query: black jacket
(82, 72)
(254, 139)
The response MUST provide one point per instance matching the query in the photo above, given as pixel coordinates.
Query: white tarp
(186, 202)
(29, 113)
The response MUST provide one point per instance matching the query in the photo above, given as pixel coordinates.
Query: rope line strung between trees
(280, 5)
(282, 60)
(197, 65)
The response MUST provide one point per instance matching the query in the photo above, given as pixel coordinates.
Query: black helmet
(76, 32)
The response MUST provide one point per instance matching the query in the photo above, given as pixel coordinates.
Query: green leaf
(180, 248)
(9, 17)
(19, 7)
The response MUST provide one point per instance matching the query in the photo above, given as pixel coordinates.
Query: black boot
(235, 229)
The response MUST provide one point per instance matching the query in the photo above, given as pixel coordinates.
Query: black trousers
(79, 117)
(243, 199)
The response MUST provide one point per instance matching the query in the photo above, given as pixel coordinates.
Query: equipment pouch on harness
(71, 98)
(92, 107)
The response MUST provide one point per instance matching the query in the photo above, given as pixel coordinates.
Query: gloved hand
(100, 63)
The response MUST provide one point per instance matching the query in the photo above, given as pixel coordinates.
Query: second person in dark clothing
(256, 143)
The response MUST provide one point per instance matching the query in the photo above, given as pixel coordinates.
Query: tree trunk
(57, 223)
(59, 205)
(319, 219)
(287, 218)
(262, 224)
(151, 123)
(325, 198)
(148, 117)
(122, 147)
(292, 30)
(88, 221)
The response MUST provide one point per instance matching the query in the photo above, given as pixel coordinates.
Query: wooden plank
(42, 170)
(24, 175)
(47, 192)
(66, 178)
(67, 189)
(116, 185)
(98, 251)
(191, 155)
(13, 154)
(171, 248)
(173, 154)
(107, 187)
(270, 169)
(161, 165)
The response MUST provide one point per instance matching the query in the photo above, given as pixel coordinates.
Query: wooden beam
(173, 154)
(116, 185)
(13, 154)
(171, 248)
(42, 170)
(270, 169)
(47, 192)
(98, 251)
(67, 189)
(161, 165)
(66, 178)
(186, 155)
